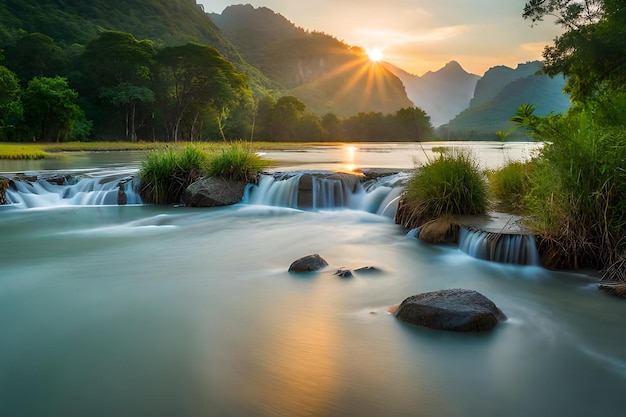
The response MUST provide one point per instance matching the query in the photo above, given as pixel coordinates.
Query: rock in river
(214, 192)
(308, 263)
(454, 309)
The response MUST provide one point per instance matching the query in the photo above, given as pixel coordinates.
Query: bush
(237, 162)
(165, 174)
(451, 184)
(509, 186)
(577, 200)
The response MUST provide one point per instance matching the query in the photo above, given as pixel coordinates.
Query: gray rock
(343, 273)
(308, 263)
(455, 309)
(214, 192)
(367, 270)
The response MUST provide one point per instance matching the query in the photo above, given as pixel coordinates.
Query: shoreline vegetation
(35, 151)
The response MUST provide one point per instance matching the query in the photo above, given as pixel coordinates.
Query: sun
(375, 54)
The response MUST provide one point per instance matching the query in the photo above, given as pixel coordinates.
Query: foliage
(451, 184)
(165, 174)
(36, 55)
(510, 185)
(592, 51)
(10, 103)
(200, 81)
(51, 109)
(577, 201)
(237, 161)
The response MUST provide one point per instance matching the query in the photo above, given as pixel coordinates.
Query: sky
(421, 35)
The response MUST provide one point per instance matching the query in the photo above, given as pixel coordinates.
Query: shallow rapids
(156, 311)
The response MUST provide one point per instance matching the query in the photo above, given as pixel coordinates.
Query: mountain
(441, 94)
(76, 22)
(326, 74)
(498, 95)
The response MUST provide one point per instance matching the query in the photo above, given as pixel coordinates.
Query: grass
(21, 151)
(509, 186)
(451, 184)
(577, 199)
(236, 162)
(165, 174)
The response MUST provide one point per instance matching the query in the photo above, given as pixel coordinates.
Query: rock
(214, 192)
(308, 263)
(617, 289)
(122, 199)
(343, 273)
(367, 270)
(4, 184)
(455, 309)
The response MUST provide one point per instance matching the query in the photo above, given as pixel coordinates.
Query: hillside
(442, 94)
(75, 22)
(326, 74)
(498, 95)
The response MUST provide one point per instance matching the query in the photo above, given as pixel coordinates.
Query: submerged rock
(343, 273)
(214, 192)
(455, 309)
(367, 270)
(310, 263)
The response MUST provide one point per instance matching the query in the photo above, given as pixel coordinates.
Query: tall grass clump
(509, 186)
(237, 161)
(451, 184)
(577, 200)
(165, 174)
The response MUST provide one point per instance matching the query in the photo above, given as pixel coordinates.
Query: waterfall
(517, 249)
(323, 190)
(78, 191)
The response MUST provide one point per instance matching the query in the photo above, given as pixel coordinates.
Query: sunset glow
(421, 36)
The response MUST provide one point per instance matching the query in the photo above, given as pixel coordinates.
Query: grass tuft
(451, 184)
(165, 174)
(236, 162)
(509, 186)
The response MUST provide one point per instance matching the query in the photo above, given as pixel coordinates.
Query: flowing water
(143, 310)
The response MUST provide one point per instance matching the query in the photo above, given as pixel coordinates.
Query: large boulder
(214, 192)
(310, 263)
(455, 309)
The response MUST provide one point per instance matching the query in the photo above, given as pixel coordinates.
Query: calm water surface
(159, 311)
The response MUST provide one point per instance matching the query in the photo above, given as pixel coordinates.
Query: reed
(238, 161)
(509, 186)
(165, 174)
(577, 199)
(451, 184)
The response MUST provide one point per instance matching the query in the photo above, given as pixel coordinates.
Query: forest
(64, 77)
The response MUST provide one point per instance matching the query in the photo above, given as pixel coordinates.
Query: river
(144, 310)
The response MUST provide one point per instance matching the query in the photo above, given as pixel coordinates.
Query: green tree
(10, 103)
(414, 123)
(332, 126)
(591, 52)
(50, 109)
(286, 115)
(117, 71)
(199, 81)
(36, 55)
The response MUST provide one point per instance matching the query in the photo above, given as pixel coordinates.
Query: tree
(591, 53)
(199, 81)
(50, 109)
(285, 117)
(36, 55)
(10, 103)
(414, 123)
(117, 70)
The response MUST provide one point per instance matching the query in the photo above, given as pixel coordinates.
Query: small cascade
(322, 190)
(72, 191)
(519, 249)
